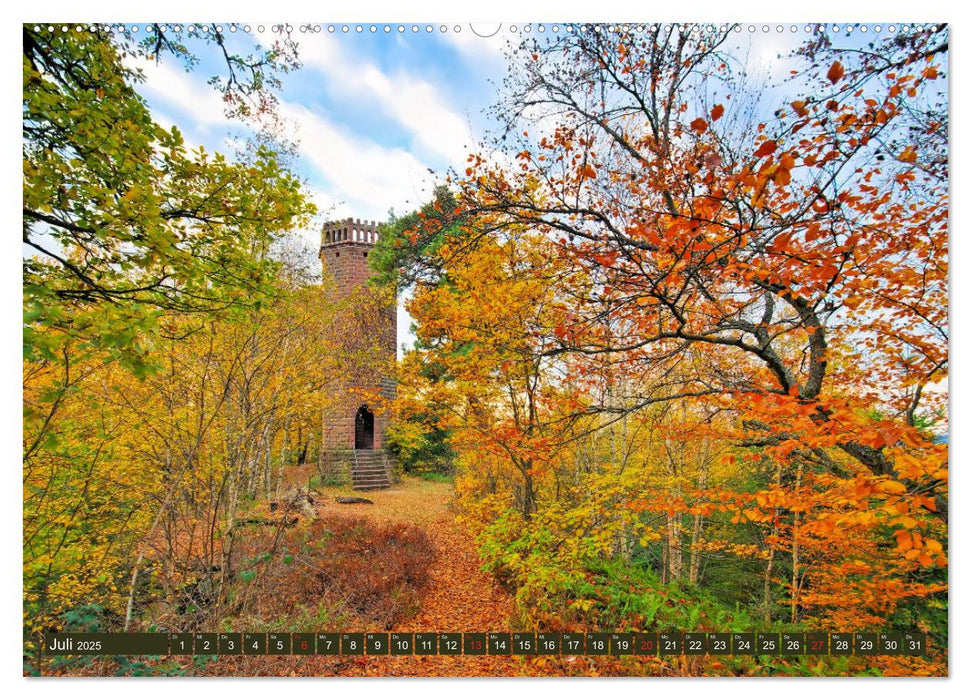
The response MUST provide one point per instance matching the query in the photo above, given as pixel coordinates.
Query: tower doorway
(364, 429)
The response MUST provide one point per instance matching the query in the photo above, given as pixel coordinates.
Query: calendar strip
(490, 643)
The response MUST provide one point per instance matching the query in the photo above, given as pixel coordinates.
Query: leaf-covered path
(459, 597)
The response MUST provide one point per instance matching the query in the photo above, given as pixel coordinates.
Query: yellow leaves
(835, 72)
(648, 537)
(915, 466)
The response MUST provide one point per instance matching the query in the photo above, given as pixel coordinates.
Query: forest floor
(458, 595)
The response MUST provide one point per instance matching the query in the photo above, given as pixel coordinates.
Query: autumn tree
(157, 319)
(801, 247)
(122, 222)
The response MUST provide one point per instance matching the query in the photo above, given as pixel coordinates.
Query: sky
(382, 112)
(380, 115)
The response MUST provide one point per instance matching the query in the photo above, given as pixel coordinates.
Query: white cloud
(364, 179)
(414, 103)
(173, 87)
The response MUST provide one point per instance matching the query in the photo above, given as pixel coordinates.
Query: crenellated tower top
(349, 231)
(344, 248)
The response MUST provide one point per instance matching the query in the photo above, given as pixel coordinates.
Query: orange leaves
(835, 72)
(908, 155)
(920, 464)
(778, 172)
(781, 174)
(891, 487)
(914, 546)
(767, 148)
(782, 243)
(679, 266)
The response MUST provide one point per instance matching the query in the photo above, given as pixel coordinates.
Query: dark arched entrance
(364, 429)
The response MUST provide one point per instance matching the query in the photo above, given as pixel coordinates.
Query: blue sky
(373, 112)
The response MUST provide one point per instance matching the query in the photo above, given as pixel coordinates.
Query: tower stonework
(354, 432)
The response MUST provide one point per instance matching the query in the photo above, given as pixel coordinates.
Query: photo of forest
(556, 329)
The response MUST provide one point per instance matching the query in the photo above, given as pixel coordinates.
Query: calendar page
(485, 349)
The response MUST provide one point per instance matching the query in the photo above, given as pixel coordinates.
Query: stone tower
(354, 431)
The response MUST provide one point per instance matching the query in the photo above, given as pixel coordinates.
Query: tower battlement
(344, 248)
(349, 231)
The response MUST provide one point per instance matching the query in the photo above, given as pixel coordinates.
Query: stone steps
(371, 470)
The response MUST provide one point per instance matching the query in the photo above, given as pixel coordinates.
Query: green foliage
(436, 477)
(405, 252)
(573, 581)
(124, 223)
(420, 446)
(140, 253)
(86, 618)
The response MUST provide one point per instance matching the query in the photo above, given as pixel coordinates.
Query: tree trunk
(795, 552)
(675, 557)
